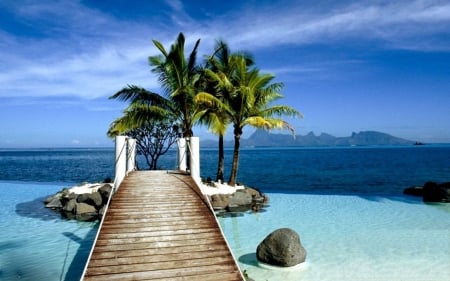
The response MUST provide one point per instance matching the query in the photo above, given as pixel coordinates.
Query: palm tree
(144, 106)
(217, 90)
(179, 78)
(251, 104)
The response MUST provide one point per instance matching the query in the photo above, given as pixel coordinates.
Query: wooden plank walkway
(158, 227)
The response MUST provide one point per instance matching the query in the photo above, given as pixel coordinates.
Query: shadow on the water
(70, 272)
(10, 245)
(76, 267)
(249, 259)
(36, 209)
(404, 199)
(225, 214)
(408, 199)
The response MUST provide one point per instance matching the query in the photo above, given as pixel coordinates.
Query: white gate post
(182, 166)
(131, 155)
(121, 160)
(195, 158)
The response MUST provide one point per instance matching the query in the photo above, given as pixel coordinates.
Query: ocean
(346, 203)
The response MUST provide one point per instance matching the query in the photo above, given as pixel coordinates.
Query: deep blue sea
(35, 244)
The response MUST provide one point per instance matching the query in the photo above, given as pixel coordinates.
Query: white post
(131, 155)
(195, 158)
(121, 160)
(182, 154)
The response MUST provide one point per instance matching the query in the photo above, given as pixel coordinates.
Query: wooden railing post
(194, 146)
(131, 155)
(121, 160)
(182, 165)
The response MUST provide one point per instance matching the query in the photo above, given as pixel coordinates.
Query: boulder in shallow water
(281, 248)
(105, 191)
(70, 206)
(55, 203)
(85, 212)
(220, 201)
(240, 198)
(94, 199)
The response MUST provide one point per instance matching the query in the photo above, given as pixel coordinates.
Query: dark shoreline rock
(431, 192)
(82, 207)
(243, 200)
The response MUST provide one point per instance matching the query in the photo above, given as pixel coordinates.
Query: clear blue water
(349, 237)
(35, 243)
(360, 226)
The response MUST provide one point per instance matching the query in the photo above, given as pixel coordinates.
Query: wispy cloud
(73, 50)
(396, 24)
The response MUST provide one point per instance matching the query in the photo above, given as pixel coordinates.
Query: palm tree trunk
(234, 165)
(220, 164)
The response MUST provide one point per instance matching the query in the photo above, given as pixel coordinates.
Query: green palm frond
(281, 110)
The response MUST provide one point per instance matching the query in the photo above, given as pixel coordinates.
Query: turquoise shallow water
(35, 243)
(359, 228)
(349, 237)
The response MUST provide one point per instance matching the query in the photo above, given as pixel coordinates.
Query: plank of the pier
(159, 228)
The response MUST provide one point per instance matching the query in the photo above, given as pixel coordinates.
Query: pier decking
(158, 227)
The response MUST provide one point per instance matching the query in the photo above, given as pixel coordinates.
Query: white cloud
(86, 53)
(395, 22)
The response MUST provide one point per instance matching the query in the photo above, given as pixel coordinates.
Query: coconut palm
(179, 78)
(216, 90)
(252, 104)
(144, 106)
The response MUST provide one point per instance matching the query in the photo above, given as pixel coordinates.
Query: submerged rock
(281, 248)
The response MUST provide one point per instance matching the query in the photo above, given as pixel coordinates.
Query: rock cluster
(431, 192)
(240, 201)
(88, 206)
(281, 248)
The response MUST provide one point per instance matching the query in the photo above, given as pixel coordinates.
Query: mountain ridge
(363, 138)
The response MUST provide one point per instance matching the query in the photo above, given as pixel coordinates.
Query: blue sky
(348, 66)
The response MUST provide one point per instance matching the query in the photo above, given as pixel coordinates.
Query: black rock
(434, 192)
(414, 191)
(105, 192)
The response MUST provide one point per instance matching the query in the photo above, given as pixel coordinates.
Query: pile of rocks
(83, 203)
(242, 200)
(431, 192)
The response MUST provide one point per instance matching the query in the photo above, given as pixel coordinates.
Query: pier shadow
(36, 209)
(76, 267)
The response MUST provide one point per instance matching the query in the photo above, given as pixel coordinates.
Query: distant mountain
(264, 138)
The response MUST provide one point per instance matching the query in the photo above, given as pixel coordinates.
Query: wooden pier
(158, 227)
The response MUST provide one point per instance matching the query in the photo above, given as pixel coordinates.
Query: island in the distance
(265, 138)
